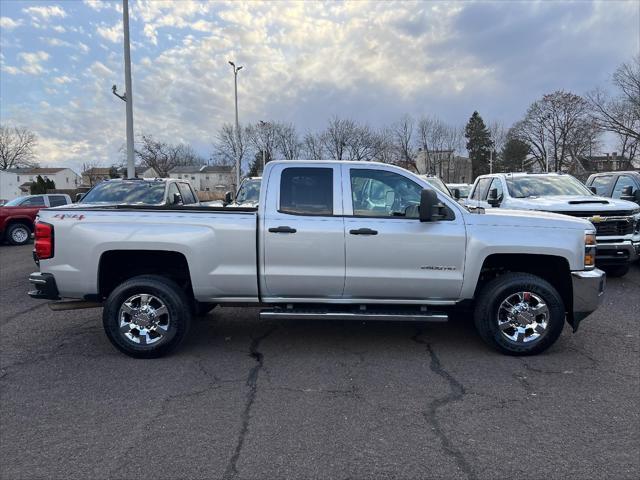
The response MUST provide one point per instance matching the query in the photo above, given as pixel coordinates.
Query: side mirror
(177, 199)
(456, 193)
(79, 196)
(493, 199)
(228, 198)
(593, 190)
(429, 206)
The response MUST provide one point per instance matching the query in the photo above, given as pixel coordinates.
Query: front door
(390, 254)
(303, 233)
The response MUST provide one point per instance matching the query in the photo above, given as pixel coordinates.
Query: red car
(18, 216)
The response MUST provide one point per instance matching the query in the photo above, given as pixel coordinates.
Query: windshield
(463, 189)
(534, 186)
(126, 192)
(15, 202)
(249, 191)
(439, 184)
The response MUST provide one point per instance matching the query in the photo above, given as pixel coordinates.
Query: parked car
(463, 190)
(140, 191)
(329, 240)
(617, 222)
(622, 185)
(248, 194)
(17, 217)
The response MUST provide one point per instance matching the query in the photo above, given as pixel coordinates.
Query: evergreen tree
(38, 187)
(479, 144)
(513, 157)
(255, 167)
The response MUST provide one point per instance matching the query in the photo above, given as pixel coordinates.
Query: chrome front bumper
(615, 253)
(588, 290)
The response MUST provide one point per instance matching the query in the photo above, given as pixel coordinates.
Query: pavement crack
(457, 391)
(252, 382)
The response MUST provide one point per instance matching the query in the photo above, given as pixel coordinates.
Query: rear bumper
(45, 286)
(617, 253)
(588, 290)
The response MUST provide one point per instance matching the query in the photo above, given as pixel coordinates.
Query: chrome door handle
(363, 231)
(282, 230)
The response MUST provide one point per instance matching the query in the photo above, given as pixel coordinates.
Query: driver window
(173, 189)
(379, 193)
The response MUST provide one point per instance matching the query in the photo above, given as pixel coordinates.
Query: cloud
(31, 64)
(114, 33)
(62, 80)
(45, 12)
(7, 23)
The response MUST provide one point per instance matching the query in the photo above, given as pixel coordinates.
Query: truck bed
(226, 271)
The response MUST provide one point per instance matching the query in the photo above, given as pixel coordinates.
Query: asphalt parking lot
(250, 399)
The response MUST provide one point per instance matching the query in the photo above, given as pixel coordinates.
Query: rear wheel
(519, 314)
(616, 270)
(147, 316)
(18, 234)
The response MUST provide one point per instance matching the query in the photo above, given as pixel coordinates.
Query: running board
(407, 316)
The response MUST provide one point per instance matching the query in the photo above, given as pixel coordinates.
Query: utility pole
(235, 89)
(127, 97)
(491, 160)
(263, 124)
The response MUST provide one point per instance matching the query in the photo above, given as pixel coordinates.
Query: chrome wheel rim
(20, 235)
(144, 319)
(523, 317)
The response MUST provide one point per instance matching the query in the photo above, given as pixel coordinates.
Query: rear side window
(601, 184)
(33, 202)
(187, 194)
(57, 200)
(623, 182)
(306, 191)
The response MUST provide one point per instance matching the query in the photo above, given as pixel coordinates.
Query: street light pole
(235, 90)
(131, 169)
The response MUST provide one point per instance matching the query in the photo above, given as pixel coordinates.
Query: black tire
(168, 293)
(19, 230)
(616, 270)
(498, 290)
(201, 309)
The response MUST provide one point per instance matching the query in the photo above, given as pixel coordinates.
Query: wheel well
(116, 266)
(24, 221)
(554, 270)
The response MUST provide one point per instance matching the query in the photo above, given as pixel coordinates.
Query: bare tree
(557, 127)
(620, 114)
(312, 146)
(17, 145)
(402, 134)
(287, 141)
(364, 143)
(337, 136)
(262, 137)
(162, 156)
(228, 146)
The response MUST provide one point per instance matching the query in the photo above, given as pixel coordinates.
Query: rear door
(390, 254)
(303, 233)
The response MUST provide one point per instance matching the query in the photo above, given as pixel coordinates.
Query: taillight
(44, 240)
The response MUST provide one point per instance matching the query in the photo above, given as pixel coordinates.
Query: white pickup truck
(329, 240)
(617, 222)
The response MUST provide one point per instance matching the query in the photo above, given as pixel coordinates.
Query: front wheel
(146, 316)
(18, 234)
(519, 314)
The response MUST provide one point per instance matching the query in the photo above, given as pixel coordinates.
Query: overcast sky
(303, 62)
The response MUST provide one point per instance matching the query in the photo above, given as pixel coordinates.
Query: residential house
(15, 182)
(95, 175)
(206, 178)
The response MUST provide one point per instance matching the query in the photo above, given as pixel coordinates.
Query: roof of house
(36, 171)
(202, 169)
(97, 171)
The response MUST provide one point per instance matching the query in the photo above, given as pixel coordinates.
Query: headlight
(589, 249)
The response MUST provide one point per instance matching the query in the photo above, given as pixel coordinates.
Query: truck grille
(614, 227)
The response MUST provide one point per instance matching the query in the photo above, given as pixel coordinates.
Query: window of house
(306, 191)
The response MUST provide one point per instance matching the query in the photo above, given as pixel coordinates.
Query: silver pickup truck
(329, 240)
